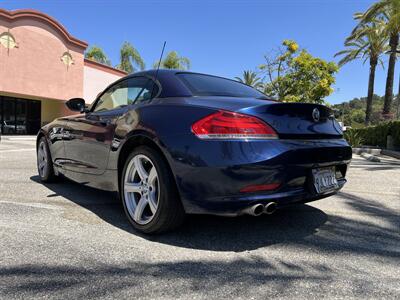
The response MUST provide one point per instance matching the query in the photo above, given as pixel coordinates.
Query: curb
(370, 157)
(391, 153)
(373, 151)
(368, 152)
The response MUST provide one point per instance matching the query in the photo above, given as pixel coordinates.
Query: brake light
(231, 125)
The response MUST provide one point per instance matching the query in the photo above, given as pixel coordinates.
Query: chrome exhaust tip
(270, 208)
(255, 210)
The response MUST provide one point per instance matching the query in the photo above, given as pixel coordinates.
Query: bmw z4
(173, 143)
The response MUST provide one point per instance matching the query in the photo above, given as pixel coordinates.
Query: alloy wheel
(141, 189)
(42, 159)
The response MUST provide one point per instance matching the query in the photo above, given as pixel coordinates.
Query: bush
(376, 135)
(353, 137)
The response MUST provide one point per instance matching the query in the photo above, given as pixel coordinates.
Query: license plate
(325, 180)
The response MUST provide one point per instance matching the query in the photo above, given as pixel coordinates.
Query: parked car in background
(344, 128)
(12, 127)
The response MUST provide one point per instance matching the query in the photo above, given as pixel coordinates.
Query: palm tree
(129, 56)
(174, 61)
(97, 54)
(367, 42)
(390, 11)
(250, 78)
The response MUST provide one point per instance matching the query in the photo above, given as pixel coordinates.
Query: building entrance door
(19, 116)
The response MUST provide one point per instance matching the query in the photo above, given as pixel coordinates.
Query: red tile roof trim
(34, 14)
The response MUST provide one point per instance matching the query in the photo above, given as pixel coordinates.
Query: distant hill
(354, 110)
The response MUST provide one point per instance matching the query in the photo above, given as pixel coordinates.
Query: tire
(161, 209)
(44, 162)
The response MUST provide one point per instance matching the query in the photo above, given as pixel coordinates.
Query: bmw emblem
(315, 114)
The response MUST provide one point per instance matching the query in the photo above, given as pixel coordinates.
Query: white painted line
(35, 205)
(17, 150)
(369, 192)
(19, 139)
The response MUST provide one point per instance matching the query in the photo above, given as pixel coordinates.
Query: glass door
(9, 120)
(1, 115)
(20, 116)
(34, 109)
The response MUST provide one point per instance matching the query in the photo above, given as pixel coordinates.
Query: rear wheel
(44, 162)
(148, 192)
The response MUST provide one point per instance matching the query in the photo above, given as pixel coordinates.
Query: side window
(132, 90)
(114, 97)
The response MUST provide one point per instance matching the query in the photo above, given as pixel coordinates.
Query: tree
(250, 78)
(390, 11)
(367, 42)
(174, 61)
(349, 110)
(294, 75)
(97, 54)
(357, 115)
(129, 57)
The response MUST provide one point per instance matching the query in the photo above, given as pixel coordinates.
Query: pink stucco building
(42, 66)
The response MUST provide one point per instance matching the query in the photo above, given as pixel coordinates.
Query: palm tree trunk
(394, 41)
(372, 67)
(398, 102)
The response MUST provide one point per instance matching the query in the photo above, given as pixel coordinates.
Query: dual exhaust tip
(259, 209)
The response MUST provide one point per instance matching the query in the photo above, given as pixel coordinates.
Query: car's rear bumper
(237, 205)
(210, 174)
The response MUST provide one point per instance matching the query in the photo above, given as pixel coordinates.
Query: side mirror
(76, 104)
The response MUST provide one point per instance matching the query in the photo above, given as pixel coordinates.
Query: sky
(220, 37)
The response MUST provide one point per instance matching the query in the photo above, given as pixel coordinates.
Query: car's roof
(169, 72)
(171, 85)
(164, 72)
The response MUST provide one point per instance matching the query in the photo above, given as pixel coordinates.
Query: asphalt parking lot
(68, 241)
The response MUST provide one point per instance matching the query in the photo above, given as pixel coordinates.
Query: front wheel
(148, 192)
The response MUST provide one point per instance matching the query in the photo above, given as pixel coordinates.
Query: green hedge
(377, 135)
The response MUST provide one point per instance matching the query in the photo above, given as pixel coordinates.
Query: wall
(34, 69)
(35, 66)
(96, 77)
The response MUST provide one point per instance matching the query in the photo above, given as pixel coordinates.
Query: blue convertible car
(173, 143)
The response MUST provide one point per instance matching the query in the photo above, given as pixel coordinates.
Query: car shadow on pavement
(201, 231)
(341, 255)
(245, 232)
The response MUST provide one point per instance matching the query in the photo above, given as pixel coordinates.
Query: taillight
(231, 125)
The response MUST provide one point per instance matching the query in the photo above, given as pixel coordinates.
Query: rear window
(207, 85)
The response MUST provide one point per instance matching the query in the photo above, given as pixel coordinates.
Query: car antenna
(158, 67)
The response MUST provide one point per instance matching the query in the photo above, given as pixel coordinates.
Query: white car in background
(344, 128)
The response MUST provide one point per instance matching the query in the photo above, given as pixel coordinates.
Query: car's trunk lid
(290, 120)
(297, 120)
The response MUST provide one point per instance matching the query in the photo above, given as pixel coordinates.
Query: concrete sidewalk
(375, 154)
